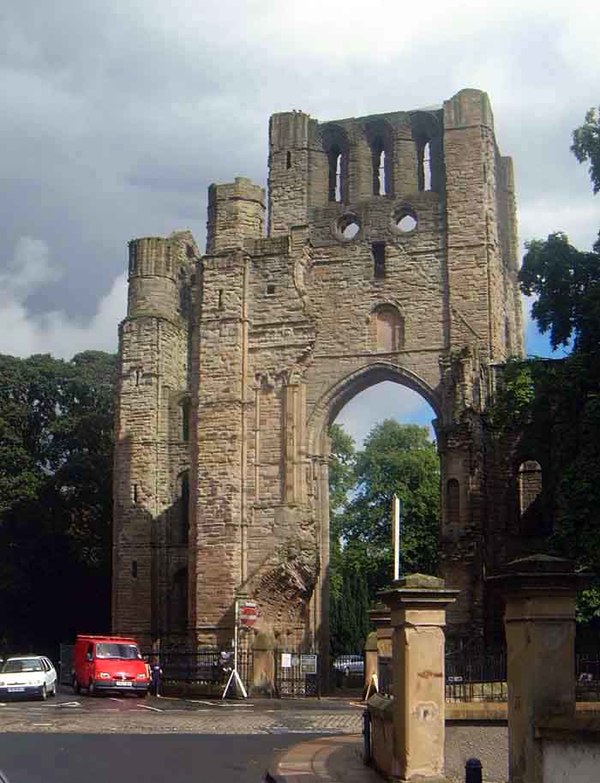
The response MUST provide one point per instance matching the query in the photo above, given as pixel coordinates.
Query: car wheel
(91, 689)
(44, 693)
(141, 694)
(54, 688)
(347, 671)
(76, 685)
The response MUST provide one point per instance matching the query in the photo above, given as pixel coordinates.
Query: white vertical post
(396, 537)
(235, 633)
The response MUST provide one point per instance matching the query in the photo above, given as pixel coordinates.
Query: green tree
(56, 422)
(396, 459)
(342, 459)
(586, 145)
(555, 404)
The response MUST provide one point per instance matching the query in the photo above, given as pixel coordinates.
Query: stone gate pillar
(539, 622)
(418, 616)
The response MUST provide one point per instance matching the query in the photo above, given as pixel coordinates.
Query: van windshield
(114, 650)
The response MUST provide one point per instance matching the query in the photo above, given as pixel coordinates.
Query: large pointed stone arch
(345, 389)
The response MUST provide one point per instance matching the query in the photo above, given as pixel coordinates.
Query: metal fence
(587, 674)
(206, 667)
(478, 675)
(296, 674)
(384, 675)
(471, 675)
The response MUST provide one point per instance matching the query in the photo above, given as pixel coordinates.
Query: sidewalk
(326, 759)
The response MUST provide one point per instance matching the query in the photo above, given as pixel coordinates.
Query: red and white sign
(248, 613)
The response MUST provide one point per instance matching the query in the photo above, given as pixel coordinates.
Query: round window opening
(348, 227)
(405, 221)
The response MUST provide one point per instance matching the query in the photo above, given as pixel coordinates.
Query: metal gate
(65, 664)
(296, 674)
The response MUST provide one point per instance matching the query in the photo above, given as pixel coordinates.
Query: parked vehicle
(109, 663)
(28, 675)
(349, 664)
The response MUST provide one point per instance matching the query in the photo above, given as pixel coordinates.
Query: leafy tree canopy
(396, 459)
(555, 404)
(56, 437)
(586, 145)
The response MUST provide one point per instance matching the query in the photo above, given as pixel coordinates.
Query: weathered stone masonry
(390, 254)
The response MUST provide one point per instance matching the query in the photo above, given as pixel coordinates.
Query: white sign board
(286, 660)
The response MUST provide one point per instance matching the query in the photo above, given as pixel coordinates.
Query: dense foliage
(56, 437)
(556, 403)
(586, 145)
(396, 459)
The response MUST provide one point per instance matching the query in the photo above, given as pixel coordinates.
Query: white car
(28, 675)
(350, 664)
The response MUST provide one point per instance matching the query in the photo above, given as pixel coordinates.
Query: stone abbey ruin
(390, 253)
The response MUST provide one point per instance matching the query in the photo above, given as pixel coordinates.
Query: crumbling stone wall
(390, 255)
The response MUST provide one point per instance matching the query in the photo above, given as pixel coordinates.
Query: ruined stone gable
(390, 254)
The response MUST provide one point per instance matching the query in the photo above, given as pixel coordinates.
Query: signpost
(246, 615)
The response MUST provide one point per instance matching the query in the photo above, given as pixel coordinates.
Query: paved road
(128, 714)
(93, 758)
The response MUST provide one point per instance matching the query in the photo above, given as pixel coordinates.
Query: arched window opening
(379, 169)
(424, 165)
(453, 502)
(335, 174)
(184, 412)
(178, 599)
(387, 327)
(530, 497)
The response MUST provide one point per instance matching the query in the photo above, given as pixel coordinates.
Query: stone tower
(390, 254)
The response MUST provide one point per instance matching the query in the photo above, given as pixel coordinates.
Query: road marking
(147, 707)
(68, 704)
(229, 704)
(199, 701)
(114, 698)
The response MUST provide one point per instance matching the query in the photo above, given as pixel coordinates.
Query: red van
(109, 663)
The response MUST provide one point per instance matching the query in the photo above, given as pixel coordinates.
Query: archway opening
(382, 444)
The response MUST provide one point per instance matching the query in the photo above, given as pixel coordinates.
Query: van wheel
(76, 685)
(91, 689)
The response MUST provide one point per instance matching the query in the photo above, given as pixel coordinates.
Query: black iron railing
(587, 676)
(476, 675)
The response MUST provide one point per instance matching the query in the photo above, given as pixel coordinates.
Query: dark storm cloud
(117, 116)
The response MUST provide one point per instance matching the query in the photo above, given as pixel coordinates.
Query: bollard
(473, 771)
(366, 737)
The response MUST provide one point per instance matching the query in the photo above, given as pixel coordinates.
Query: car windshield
(22, 665)
(114, 650)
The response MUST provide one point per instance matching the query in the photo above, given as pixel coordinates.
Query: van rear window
(114, 650)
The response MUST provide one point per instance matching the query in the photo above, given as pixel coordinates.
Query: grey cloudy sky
(118, 115)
